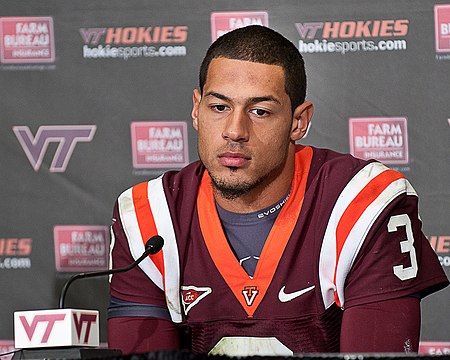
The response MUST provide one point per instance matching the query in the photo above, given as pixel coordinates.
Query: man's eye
(259, 112)
(219, 108)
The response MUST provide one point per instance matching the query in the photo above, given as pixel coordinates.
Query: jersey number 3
(406, 246)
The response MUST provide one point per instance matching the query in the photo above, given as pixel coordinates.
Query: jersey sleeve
(138, 317)
(395, 259)
(139, 335)
(390, 326)
(133, 287)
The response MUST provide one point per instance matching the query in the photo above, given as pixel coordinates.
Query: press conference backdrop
(95, 96)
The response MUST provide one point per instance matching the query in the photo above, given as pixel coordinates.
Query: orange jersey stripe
(357, 207)
(146, 221)
(242, 286)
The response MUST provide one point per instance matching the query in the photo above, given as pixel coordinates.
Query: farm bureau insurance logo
(81, 247)
(159, 144)
(15, 253)
(67, 136)
(354, 36)
(27, 40)
(434, 347)
(7, 346)
(442, 31)
(223, 22)
(381, 138)
(134, 42)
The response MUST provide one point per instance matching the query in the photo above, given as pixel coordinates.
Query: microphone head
(154, 245)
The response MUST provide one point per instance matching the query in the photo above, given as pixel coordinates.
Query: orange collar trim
(250, 291)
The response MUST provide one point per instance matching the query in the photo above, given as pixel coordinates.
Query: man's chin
(231, 188)
(230, 193)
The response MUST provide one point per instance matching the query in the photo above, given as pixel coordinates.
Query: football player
(271, 247)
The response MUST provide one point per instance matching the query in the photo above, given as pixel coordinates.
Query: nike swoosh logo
(283, 297)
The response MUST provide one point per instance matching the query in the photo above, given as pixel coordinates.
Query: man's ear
(196, 97)
(300, 120)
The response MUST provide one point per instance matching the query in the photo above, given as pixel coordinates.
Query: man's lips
(232, 159)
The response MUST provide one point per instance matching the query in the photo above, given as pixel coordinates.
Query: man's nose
(237, 126)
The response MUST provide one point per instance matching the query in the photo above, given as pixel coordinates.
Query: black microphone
(153, 245)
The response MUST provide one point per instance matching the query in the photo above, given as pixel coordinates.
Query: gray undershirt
(247, 232)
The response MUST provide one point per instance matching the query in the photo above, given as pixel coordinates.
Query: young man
(270, 247)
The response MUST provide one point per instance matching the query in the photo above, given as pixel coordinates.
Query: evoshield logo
(67, 136)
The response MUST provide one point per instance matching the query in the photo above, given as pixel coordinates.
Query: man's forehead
(224, 72)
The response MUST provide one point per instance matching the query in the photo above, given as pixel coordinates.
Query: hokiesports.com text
(343, 47)
(125, 53)
(15, 263)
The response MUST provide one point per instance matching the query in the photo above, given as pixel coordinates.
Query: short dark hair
(261, 45)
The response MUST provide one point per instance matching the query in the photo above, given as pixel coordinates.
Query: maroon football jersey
(348, 235)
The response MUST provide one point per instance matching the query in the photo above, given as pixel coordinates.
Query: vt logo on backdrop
(67, 136)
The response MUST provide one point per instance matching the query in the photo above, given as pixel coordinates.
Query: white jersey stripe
(359, 231)
(135, 241)
(164, 226)
(327, 261)
(112, 243)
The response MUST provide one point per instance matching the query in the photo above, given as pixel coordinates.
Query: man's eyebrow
(253, 100)
(259, 99)
(219, 96)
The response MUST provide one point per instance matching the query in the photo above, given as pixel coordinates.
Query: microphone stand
(152, 246)
(90, 274)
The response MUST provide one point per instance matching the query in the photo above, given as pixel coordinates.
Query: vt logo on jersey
(191, 295)
(250, 293)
